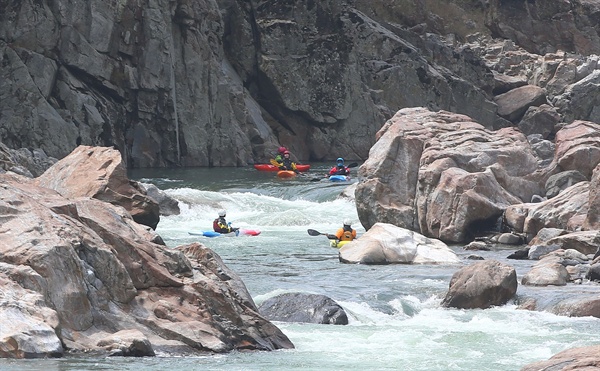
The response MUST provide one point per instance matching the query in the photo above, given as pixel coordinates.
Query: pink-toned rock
(74, 265)
(99, 172)
(592, 220)
(583, 241)
(566, 211)
(460, 200)
(559, 211)
(578, 147)
(441, 174)
(583, 359)
(27, 324)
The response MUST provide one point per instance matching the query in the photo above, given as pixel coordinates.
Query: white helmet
(222, 213)
(348, 222)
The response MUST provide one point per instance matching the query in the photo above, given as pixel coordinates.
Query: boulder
(585, 242)
(592, 219)
(30, 163)
(539, 120)
(558, 182)
(444, 175)
(513, 104)
(522, 254)
(579, 101)
(303, 307)
(565, 211)
(578, 147)
(548, 271)
(127, 343)
(387, 244)
(481, 285)
(594, 273)
(99, 172)
(27, 323)
(582, 358)
(92, 264)
(166, 205)
(538, 251)
(510, 239)
(578, 307)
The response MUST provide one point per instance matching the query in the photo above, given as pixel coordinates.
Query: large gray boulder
(303, 307)
(481, 285)
(548, 271)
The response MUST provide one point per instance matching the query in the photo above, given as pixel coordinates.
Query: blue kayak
(338, 178)
(239, 232)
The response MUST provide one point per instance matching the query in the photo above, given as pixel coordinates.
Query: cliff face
(207, 83)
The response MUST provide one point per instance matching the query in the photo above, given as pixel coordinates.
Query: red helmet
(281, 149)
(286, 152)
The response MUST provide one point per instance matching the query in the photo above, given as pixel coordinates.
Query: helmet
(222, 213)
(348, 222)
(282, 149)
(340, 160)
(286, 152)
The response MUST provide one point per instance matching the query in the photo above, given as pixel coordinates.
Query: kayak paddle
(312, 232)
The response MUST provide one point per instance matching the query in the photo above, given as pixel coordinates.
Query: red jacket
(339, 170)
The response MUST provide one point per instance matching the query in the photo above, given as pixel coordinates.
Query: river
(396, 322)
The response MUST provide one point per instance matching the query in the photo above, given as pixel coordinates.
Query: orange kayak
(286, 174)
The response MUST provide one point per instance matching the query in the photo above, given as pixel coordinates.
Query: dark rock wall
(223, 83)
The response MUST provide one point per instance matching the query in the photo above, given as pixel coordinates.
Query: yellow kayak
(337, 244)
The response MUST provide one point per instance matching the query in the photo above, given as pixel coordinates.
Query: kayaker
(280, 152)
(346, 233)
(220, 224)
(287, 163)
(340, 168)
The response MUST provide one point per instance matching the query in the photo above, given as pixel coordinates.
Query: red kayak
(269, 167)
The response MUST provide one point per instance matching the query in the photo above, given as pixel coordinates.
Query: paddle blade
(274, 162)
(312, 232)
(354, 164)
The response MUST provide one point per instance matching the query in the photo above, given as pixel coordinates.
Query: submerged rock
(302, 307)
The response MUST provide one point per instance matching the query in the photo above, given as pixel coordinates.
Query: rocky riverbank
(79, 274)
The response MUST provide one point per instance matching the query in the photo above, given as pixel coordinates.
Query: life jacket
(339, 170)
(347, 234)
(220, 226)
(287, 164)
(342, 170)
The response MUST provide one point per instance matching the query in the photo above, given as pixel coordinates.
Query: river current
(396, 321)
